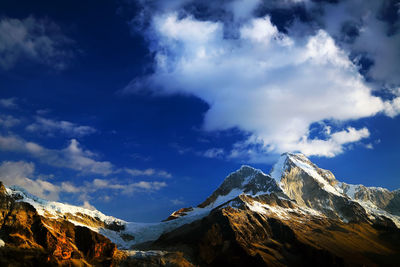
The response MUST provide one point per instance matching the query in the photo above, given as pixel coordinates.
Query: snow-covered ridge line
(142, 232)
(304, 164)
(301, 161)
(243, 167)
(57, 209)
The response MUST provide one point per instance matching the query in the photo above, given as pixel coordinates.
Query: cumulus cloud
(72, 157)
(52, 127)
(20, 173)
(392, 108)
(30, 38)
(271, 85)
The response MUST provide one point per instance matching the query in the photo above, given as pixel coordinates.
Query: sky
(139, 108)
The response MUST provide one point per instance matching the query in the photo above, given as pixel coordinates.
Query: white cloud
(213, 153)
(68, 187)
(392, 108)
(30, 38)
(20, 173)
(51, 127)
(350, 135)
(8, 102)
(125, 188)
(88, 206)
(268, 84)
(72, 157)
(8, 121)
(177, 202)
(148, 172)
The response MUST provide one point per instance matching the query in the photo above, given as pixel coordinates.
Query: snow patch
(279, 168)
(57, 209)
(222, 199)
(350, 190)
(281, 212)
(374, 210)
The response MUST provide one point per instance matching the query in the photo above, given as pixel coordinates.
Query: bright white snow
(222, 199)
(281, 212)
(279, 168)
(57, 209)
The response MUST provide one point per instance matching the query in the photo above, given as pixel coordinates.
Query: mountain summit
(298, 214)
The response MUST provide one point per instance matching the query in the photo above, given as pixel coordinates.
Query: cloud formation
(8, 121)
(72, 156)
(34, 39)
(148, 172)
(20, 173)
(271, 85)
(51, 127)
(9, 103)
(370, 28)
(125, 188)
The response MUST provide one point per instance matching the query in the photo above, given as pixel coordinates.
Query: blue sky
(143, 107)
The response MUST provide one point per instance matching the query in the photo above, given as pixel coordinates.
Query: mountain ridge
(265, 218)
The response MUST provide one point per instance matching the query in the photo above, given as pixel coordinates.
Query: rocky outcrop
(34, 240)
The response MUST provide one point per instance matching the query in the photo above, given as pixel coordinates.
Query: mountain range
(297, 215)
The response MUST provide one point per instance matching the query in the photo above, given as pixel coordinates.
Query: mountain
(298, 214)
(34, 236)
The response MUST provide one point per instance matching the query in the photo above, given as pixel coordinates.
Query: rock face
(34, 240)
(316, 188)
(268, 231)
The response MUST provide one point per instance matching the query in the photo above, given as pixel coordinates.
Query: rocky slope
(268, 231)
(297, 215)
(30, 239)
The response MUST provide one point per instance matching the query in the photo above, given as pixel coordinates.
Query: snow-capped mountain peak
(247, 180)
(297, 161)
